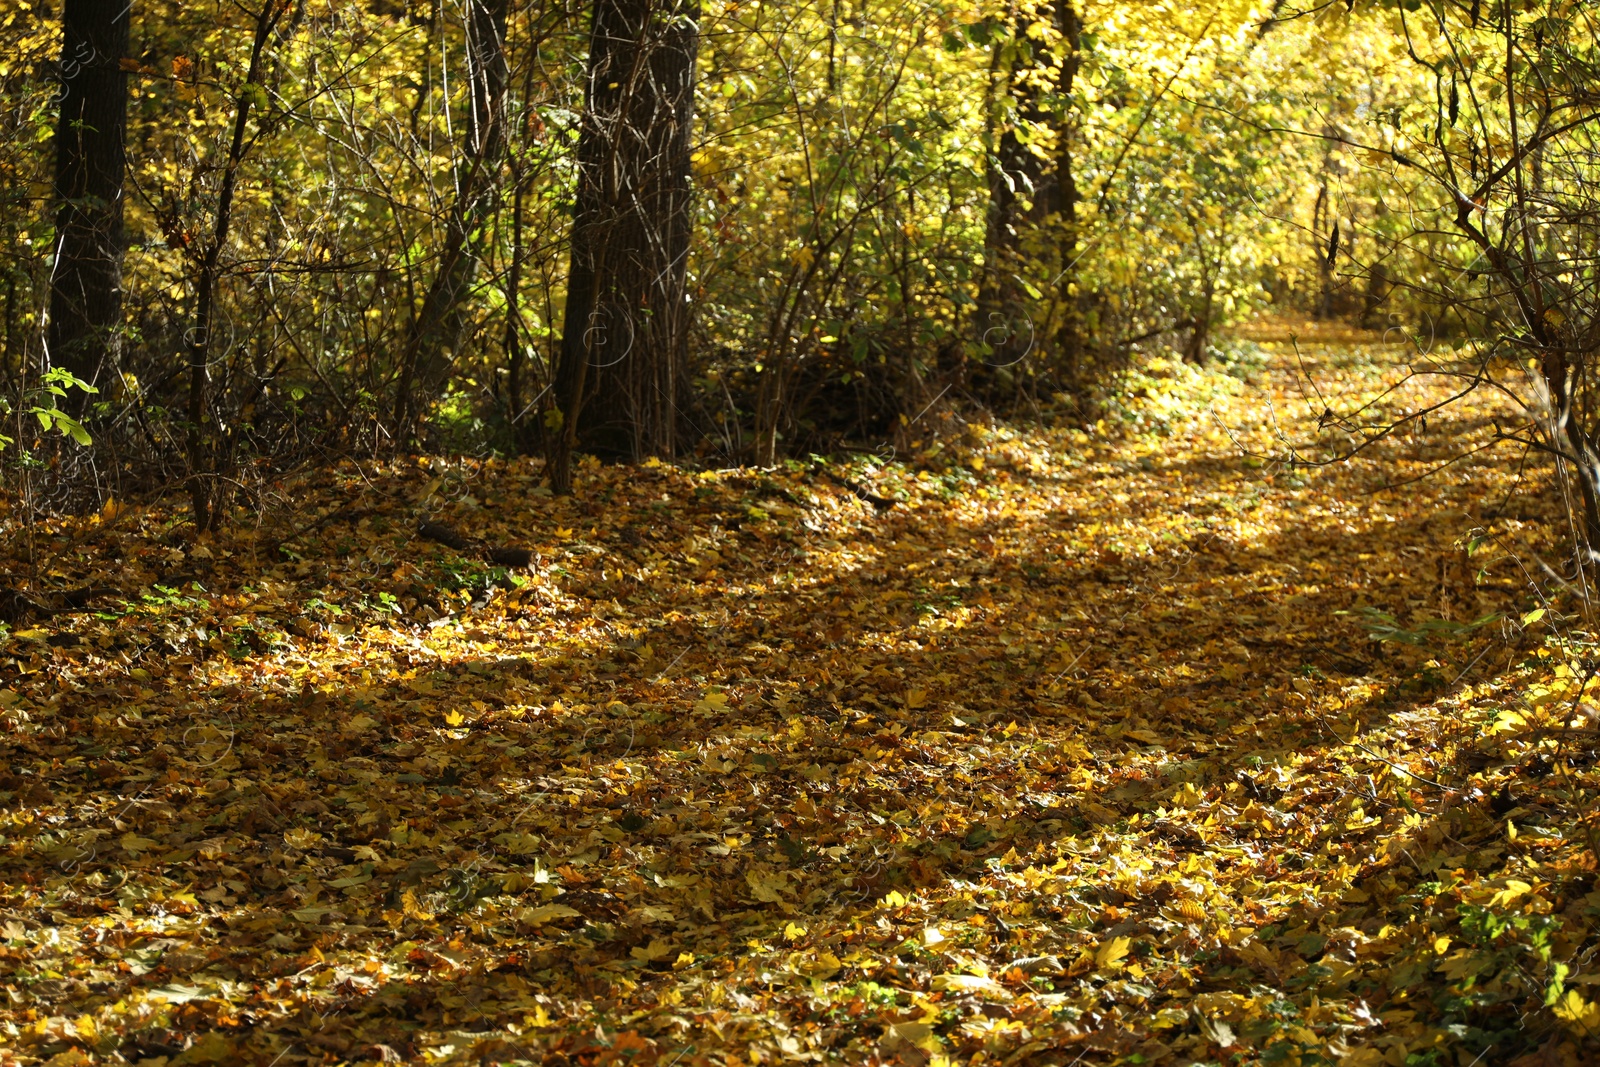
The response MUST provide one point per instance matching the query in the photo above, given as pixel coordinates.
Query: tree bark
(1019, 198)
(1069, 332)
(84, 325)
(1026, 193)
(1200, 327)
(623, 356)
(437, 330)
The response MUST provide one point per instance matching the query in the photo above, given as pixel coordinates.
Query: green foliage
(42, 402)
(846, 170)
(1383, 627)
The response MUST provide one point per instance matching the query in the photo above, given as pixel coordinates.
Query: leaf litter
(1081, 751)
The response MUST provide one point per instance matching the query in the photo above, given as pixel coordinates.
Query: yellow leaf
(712, 702)
(454, 718)
(358, 725)
(917, 1034)
(1581, 1017)
(546, 912)
(826, 965)
(132, 842)
(767, 886)
(657, 949)
(1533, 616)
(793, 932)
(302, 839)
(413, 910)
(1515, 887)
(1110, 954)
(215, 1047)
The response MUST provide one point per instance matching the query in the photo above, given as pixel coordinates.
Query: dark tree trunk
(437, 330)
(622, 362)
(1378, 289)
(1069, 332)
(1378, 286)
(1325, 238)
(1026, 193)
(1020, 195)
(524, 431)
(1200, 326)
(86, 284)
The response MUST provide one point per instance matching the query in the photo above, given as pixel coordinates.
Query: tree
(86, 283)
(210, 445)
(436, 331)
(1020, 191)
(621, 366)
(1069, 329)
(1030, 201)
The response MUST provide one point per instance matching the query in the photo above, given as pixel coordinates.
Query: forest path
(1045, 762)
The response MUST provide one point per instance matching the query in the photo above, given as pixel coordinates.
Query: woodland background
(306, 229)
(643, 531)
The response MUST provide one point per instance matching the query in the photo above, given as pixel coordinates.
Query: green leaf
(73, 429)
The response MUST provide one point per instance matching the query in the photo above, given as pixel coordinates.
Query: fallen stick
(454, 539)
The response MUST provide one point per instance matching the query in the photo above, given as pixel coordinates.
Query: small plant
(1384, 627)
(43, 403)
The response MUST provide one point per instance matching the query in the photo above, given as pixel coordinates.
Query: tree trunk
(210, 445)
(1378, 286)
(524, 431)
(86, 285)
(1200, 328)
(1324, 235)
(1069, 332)
(623, 352)
(437, 330)
(1026, 194)
(1020, 195)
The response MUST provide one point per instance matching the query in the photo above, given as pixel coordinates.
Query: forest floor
(1082, 752)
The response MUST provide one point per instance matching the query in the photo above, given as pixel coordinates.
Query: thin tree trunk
(1200, 330)
(621, 365)
(1324, 227)
(1069, 332)
(524, 431)
(209, 445)
(437, 330)
(86, 285)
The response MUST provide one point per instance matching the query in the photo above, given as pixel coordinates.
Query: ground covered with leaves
(1080, 751)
